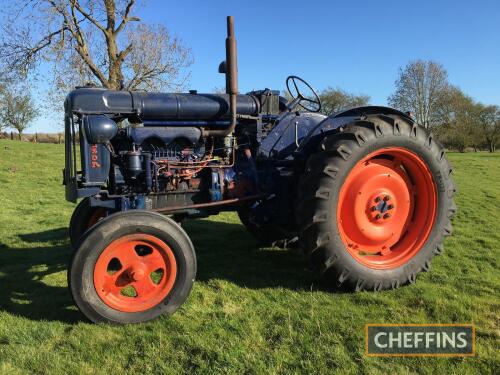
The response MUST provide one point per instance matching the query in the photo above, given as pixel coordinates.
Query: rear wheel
(375, 203)
(84, 217)
(132, 267)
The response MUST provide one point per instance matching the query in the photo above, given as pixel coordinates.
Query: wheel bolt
(386, 216)
(377, 216)
(374, 208)
(377, 199)
(390, 207)
(387, 197)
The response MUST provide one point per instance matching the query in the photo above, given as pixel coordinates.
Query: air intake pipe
(231, 70)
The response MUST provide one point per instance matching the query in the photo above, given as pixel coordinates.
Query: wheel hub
(382, 207)
(137, 272)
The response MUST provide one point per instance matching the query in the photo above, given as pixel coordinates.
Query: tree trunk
(20, 136)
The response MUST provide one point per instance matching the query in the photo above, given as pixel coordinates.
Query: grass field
(252, 310)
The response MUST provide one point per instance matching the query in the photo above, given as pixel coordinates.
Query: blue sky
(355, 45)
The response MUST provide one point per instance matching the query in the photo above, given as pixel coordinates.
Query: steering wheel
(311, 103)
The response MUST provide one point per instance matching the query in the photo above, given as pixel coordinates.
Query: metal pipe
(147, 171)
(208, 204)
(231, 80)
(194, 123)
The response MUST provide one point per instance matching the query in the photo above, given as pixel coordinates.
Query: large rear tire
(132, 267)
(375, 203)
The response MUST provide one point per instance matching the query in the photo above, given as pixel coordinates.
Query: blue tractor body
(136, 150)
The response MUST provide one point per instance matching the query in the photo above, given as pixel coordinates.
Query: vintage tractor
(366, 193)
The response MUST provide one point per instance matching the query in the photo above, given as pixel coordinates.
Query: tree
(455, 120)
(3, 125)
(488, 119)
(96, 41)
(420, 88)
(17, 111)
(336, 99)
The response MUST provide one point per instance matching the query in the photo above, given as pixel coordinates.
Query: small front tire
(132, 267)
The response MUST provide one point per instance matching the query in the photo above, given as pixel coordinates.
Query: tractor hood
(157, 106)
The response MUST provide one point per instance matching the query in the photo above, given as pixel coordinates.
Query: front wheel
(375, 203)
(132, 267)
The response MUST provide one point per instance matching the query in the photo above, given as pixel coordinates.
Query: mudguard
(339, 119)
(300, 133)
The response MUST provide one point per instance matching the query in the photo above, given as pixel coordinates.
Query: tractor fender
(333, 122)
(292, 128)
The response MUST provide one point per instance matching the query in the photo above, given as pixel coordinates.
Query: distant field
(253, 309)
(35, 137)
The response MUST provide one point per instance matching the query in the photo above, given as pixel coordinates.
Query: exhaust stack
(230, 68)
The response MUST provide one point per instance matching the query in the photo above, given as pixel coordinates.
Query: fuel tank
(157, 106)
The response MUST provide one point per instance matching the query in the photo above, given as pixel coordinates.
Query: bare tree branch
(96, 41)
(82, 47)
(123, 54)
(77, 5)
(126, 18)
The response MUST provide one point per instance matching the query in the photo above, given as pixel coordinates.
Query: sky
(354, 45)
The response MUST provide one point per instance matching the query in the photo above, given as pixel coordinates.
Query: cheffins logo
(420, 340)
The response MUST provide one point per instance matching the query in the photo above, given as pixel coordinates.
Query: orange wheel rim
(135, 273)
(387, 208)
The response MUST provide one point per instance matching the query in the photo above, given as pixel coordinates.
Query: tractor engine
(161, 151)
(187, 154)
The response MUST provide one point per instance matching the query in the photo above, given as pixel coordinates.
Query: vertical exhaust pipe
(231, 80)
(232, 70)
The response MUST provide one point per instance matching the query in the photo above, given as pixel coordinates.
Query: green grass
(252, 310)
